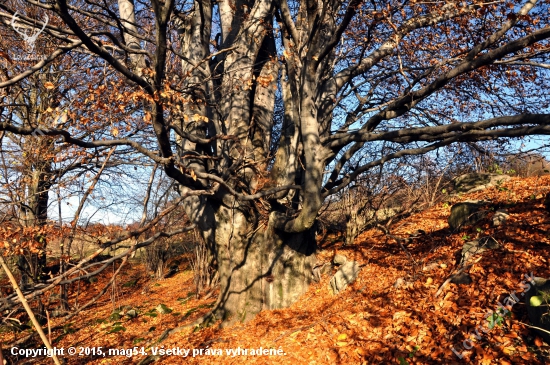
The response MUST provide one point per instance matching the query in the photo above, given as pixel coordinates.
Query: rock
(326, 269)
(500, 217)
(430, 267)
(346, 275)
(470, 249)
(402, 283)
(539, 315)
(474, 247)
(399, 283)
(466, 213)
(132, 313)
(469, 183)
(547, 202)
(339, 259)
(462, 278)
(319, 269)
(163, 309)
(357, 222)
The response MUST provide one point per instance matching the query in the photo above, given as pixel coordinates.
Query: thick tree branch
(40, 65)
(63, 11)
(429, 134)
(26, 131)
(333, 187)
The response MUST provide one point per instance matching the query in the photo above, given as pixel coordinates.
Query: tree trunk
(353, 227)
(35, 213)
(128, 20)
(259, 266)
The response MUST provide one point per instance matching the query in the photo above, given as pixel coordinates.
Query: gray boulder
(339, 259)
(469, 249)
(346, 275)
(475, 247)
(538, 309)
(163, 309)
(466, 213)
(462, 278)
(469, 183)
(500, 217)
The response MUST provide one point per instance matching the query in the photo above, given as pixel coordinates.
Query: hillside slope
(371, 322)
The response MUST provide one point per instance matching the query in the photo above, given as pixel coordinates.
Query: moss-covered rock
(466, 214)
(469, 183)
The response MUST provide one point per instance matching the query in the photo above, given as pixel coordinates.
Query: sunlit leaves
(196, 118)
(265, 80)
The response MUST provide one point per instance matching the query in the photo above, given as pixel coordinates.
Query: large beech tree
(260, 110)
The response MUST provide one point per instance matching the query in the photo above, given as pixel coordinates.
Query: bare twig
(49, 326)
(80, 266)
(464, 268)
(28, 310)
(398, 240)
(103, 291)
(535, 327)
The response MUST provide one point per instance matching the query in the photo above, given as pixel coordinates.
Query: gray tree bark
(254, 181)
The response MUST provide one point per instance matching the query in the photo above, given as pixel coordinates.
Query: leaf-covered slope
(371, 321)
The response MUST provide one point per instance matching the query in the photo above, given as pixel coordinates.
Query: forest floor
(371, 322)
